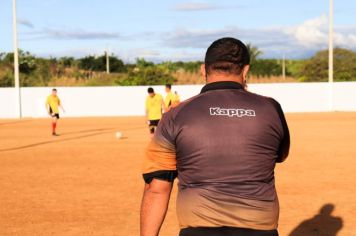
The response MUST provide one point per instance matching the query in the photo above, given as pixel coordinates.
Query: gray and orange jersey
(223, 144)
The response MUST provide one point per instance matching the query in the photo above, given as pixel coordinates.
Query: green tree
(142, 63)
(92, 63)
(26, 61)
(146, 73)
(254, 52)
(67, 61)
(316, 68)
(87, 63)
(6, 77)
(116, 64)
(266, 67)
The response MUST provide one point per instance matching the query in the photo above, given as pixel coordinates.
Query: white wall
(129, 101)
(7, 103)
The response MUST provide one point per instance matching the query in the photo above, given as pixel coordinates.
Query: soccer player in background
(52, 106)
(154, 105)
(171, 99)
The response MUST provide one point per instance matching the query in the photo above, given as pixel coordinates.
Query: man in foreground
(154, 105)
(52, 106)
(223, 144)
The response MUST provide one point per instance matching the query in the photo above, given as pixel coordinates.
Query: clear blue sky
(174, 30)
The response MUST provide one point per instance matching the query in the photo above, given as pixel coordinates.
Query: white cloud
(347, 40)
(26, 23)
(79, 34)
(273, 42)
(70, 52)
(70, 34)
(311, 33)
(182, 38)
(296, 41)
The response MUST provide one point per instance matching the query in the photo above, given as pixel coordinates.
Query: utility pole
(284, 67)
(16, 61)
(331, 42)
(107, 62)
(331, 54)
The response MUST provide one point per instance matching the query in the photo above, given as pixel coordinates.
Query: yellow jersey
(154, 107)
(176, 99)
(54, 102)
(171, 100)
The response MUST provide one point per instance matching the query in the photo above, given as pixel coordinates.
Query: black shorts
(226, 231)
(153, 125)
(53, 114)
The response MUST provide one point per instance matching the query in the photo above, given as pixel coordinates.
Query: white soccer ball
(118, 135)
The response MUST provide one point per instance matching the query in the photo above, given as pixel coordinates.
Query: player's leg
(53, 121)
(152, 126)
(54, 125)
(55, 118)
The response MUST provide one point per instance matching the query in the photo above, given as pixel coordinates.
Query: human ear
(202, 70)
(245, 72)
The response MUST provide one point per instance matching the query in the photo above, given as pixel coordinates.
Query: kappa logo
(231, 112)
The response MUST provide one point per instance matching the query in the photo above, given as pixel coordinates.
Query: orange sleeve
(160, 156)
(160, 159)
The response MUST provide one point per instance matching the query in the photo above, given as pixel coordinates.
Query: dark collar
(221, 85)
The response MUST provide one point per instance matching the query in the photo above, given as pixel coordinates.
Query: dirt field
(87, 182)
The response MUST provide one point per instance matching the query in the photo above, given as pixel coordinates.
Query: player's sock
(54, 125)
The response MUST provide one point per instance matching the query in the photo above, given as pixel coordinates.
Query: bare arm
(164, 107)
(146, 110)
(60, 105)
(154, 206)
(47, 108)
(147, 120)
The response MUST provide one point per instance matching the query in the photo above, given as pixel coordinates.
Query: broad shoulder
(265, 99)
(174, 111)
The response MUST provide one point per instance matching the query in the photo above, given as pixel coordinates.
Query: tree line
(90, 70)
